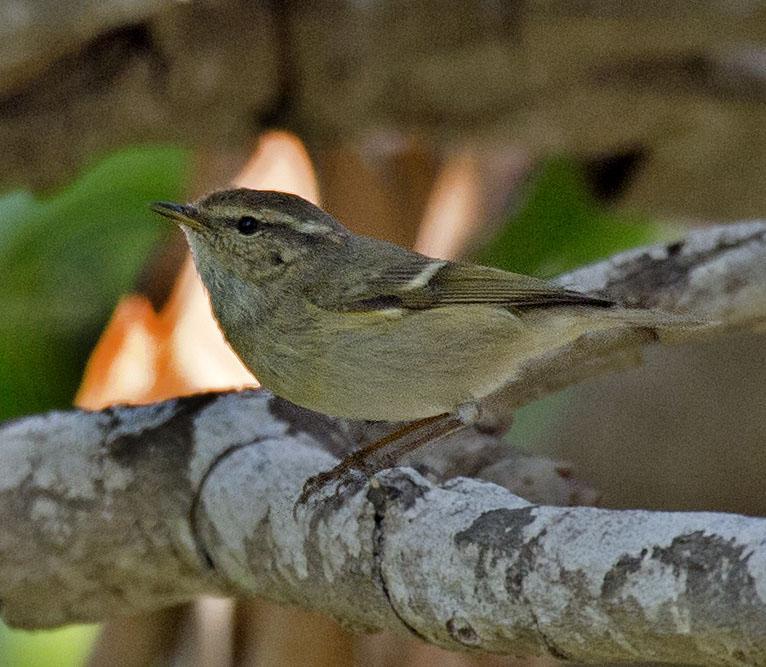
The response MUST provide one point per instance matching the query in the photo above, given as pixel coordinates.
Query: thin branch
(715, 274)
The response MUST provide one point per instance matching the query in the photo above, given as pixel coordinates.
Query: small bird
(356, 327)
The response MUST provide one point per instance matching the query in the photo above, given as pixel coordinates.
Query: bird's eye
(247, 225)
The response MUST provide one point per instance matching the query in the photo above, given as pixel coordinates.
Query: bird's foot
(344, 475)
(379, 455)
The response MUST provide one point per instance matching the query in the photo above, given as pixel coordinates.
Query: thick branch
(130, 509)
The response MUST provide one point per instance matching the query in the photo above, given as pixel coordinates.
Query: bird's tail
(670, 327)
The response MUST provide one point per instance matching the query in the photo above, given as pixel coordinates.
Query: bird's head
(255, 233)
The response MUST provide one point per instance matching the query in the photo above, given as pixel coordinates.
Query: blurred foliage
(66, 259)
(67, 647)
(559, 225)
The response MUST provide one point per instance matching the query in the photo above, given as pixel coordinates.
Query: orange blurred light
(122, 365)
(454, 208)
(143, 356)
(280, 162)
(470, 192)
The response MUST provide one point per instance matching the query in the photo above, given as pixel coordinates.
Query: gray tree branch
(131, 509)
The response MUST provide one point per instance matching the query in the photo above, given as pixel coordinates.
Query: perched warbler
(356, 327)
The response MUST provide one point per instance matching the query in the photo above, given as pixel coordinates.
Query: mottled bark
(132, 509)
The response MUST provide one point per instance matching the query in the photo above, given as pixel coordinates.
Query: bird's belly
(411, 368)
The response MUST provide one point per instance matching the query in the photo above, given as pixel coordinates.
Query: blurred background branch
(583, 78)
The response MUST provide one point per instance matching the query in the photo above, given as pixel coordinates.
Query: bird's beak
(183, 214)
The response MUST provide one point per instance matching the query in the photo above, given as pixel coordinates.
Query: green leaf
(560, 226)
(65, 260)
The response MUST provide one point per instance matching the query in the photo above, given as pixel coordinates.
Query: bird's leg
(384, 452)
(436, 430)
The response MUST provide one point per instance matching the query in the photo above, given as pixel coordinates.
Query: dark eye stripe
(247, 225)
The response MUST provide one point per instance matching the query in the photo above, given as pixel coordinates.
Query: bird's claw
(344, 478)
